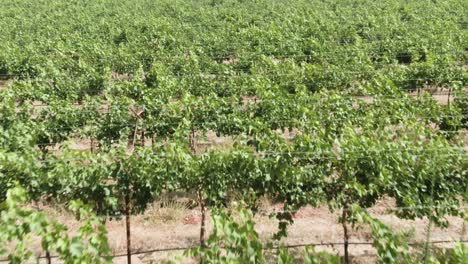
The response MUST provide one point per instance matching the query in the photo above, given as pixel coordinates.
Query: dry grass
(166, 211)
(211, 142)
(4, 84)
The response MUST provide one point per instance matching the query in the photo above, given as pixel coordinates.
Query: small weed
(166, 211)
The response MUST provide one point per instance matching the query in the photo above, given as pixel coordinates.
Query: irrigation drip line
(363, 243)
(290, 246)
(355, 243)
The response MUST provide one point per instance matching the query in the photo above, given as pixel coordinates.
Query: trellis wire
(355, 243)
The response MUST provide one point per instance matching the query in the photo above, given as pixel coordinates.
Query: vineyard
(111, 107)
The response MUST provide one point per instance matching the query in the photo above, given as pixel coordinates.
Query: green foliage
(232, 241)
(391, 247)
(20, 224)
(459, 254)
(312, 257)
(145, 80)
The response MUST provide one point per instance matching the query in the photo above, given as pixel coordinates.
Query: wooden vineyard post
(201, 202)
(142, 139)
(344, 216)
(92, 145)
(448, 97)
(48, 257)
(203, 217)
(130, 149)
(133, 137)
(47, 252)
(127, 228)
(192, 142)
(427, 246)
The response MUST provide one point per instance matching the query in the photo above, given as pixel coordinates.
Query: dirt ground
(3, 84)
(176, 226)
